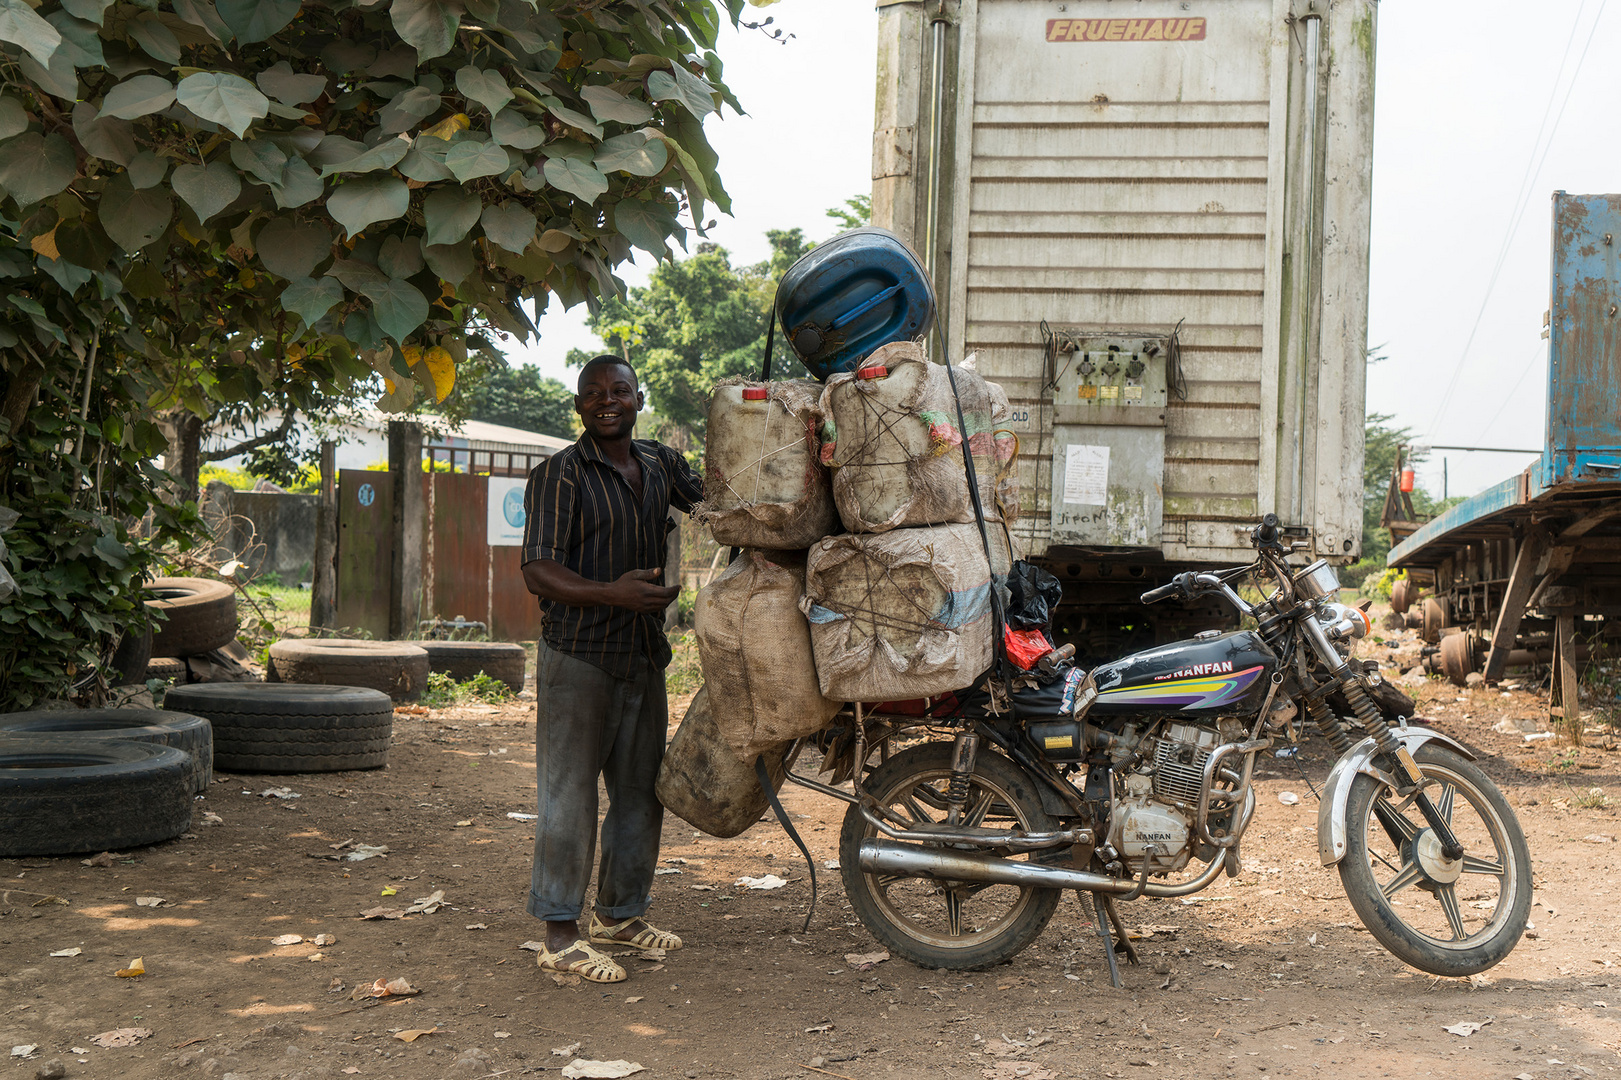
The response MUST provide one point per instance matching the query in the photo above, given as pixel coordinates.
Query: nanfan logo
(1217, 668)
(1125, 29)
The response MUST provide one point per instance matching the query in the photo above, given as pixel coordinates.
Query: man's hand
(635, 590)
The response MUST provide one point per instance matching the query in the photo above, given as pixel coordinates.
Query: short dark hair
(605, 360)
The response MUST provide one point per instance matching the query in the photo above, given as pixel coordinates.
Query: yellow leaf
(45, 243)
(390, 890)
(412, 354)
(415, 1034)
(448, 127)
(388, 384)
(136, 967)
(295, 352)
(442, 370)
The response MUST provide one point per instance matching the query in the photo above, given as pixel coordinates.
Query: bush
(443, 692)
(1378, 586)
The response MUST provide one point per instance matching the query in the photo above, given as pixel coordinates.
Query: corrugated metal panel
(1098, 203)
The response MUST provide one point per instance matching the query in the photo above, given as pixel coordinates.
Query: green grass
(442, 691)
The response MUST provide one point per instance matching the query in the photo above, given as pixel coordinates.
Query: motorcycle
(954, 854)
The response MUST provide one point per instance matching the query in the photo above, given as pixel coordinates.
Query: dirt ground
(1266, 975)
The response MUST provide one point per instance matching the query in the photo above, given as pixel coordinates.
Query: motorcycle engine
(1159, 800)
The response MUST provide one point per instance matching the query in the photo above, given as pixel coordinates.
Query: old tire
(397, 668)
(61, 794)
(282, 728)
(1437, 617)
(938, 924)
(190, 734)
(463, 660)
(129, 661)
(167, 668)
(1390, 850)
(201, 615)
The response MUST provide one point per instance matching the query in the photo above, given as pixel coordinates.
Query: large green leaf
(289, 87)
(134, 218)
(485, 87)
(154, 38)
(448, 214)
(511, 128)
(572, 117)
(644, 224)
(429, 26)
(207, 189)
(137, 96)
(400, 257)
(297, 185)
(408, 108)
(201, 13)
(578, 178)
(508, 225)
(80, 43)
(398, 306)
(632, 152)
(310, 299)
(357, 276)
(425, 164)
(58, 77)
(89, 10)
(13, 121)
(366, 201)
(683, 86)
(228, 100)
(292, 249)
(453, 262)
(256, 20)
(35, 166)
(607, 103)
(146, 170)
(105, 137)
(471, 159)
(385, 155)
(259, 158)
(20, 26)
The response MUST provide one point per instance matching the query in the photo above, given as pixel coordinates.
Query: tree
(521, 397)
(224, 204)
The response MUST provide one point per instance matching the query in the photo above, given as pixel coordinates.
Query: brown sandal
(586, 962)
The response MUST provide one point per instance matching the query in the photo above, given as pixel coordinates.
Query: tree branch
(276, 434)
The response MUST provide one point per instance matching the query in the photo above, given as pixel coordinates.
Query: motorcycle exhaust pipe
(941, 864)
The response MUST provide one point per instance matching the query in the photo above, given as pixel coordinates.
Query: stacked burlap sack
(807, 617)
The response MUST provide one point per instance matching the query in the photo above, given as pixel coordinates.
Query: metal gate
(365, 549)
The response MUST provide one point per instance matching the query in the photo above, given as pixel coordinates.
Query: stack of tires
(99, 779)
(199, 617)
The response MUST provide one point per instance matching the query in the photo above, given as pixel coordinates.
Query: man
(594, 548)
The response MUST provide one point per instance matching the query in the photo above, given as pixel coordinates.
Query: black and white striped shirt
(583, 514)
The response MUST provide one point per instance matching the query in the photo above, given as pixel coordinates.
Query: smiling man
(594, 549)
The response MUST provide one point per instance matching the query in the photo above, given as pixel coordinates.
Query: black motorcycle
(955, 851)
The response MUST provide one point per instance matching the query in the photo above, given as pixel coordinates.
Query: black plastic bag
(1036, 594)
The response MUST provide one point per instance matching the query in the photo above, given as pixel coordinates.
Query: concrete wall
(271, 533)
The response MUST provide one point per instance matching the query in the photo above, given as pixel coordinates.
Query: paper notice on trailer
(1086, 475)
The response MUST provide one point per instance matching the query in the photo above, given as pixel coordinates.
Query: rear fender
(1331, 826)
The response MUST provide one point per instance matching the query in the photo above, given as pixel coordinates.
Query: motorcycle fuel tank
(1221, 674)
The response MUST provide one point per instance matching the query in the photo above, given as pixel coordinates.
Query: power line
(1522, 197)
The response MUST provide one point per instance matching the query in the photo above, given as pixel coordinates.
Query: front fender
(1359, 759)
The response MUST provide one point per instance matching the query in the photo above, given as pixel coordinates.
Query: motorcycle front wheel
(1447, 918)
(957, 925)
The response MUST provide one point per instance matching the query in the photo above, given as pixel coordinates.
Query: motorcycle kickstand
(1103, 923)
(1120, 930)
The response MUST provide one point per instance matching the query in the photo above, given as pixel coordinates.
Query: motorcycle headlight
(1341, 622)
(1317, 582)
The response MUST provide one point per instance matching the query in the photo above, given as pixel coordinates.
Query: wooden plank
(1513, 610)
(1565, 681)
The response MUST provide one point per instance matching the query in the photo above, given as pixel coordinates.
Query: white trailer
(1149, 219)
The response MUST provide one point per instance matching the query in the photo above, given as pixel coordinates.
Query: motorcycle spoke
(975, 815)
(919, 815)
(1409, 875)
(1448, 898)
(1474, 864)
(1444, 803)
(1401, 831)
(953, 913)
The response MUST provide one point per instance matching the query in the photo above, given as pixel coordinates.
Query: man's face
(608, 401)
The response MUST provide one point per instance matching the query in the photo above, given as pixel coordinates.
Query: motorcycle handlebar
(1172, 588)
(1267, 531)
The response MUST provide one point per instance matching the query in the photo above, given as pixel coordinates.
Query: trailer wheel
(1401, 596)
(201, 615)
(397, 668)
(462, 660)
(191, 734)
(1435, 618)
(1457, 658)
(61, 794)
(282, 728)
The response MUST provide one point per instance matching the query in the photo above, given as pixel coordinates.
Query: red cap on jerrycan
(877, 371)
(755, 393)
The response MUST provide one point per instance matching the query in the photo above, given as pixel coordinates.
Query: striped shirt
(583, 514)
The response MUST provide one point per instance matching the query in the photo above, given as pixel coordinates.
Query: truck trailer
(1149, 219)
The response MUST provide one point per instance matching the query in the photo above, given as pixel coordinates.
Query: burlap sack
(756, 652)
(764, 483)
(704, 784)
(895, 449)
(902, 614)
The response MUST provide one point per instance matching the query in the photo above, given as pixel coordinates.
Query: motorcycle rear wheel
(959, 926)
(1421, 908)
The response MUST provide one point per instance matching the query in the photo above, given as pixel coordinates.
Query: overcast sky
(1467, 99)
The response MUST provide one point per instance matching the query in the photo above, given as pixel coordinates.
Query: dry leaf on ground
(866, 960)
(288, 939)
(75, 951)
(136, 967)
(599, 1070)
(414, 1034)
(121, 1037)
(150, 901)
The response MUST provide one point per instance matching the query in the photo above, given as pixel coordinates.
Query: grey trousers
(587, 723)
